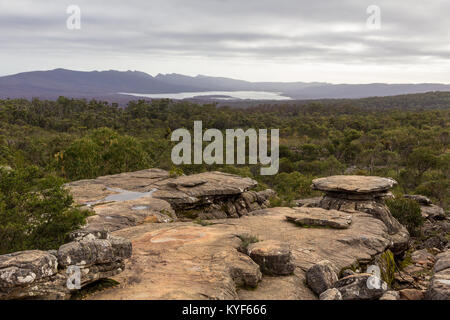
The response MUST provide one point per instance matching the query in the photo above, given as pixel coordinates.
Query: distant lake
(216, 95)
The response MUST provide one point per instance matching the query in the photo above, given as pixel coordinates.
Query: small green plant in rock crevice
(202, 222)
(388, 267)
(246, 240)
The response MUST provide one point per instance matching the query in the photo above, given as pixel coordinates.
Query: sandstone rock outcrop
(318, 217)
(439, 288)
(128, 199)
(273, 257)
(321, 276)
(183, 260)
(38, 274)
(364, 194)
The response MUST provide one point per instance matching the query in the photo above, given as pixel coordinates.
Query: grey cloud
(320, 31)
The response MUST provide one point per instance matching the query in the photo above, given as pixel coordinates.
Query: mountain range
(112, 84)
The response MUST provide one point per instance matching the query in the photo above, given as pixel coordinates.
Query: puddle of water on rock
(139, 208)
(122, 195)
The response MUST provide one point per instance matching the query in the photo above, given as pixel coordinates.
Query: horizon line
(224, 77)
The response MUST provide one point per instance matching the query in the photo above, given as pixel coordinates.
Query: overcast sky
(256, 40)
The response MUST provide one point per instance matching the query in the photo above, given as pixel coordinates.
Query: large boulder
(274, 257)
(321, 276)
(242, 269)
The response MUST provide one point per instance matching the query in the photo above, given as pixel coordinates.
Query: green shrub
(407, 212)
(103, 152)
(247, 239)
(35, 211)
(203, 223)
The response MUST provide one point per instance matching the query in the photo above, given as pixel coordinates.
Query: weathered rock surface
(183, 260)
(274, 257)
(439, 288)
(432, 212)
(242, 269)
(355, 287)
(331, 294)
(149, 196)
(20, 269)
(353, 184)
(365, 194)
(423, 257)
(44, 275)
(318, 217)
(390, 295)
(308, 202)
(418, 198)
(411, 294)
(321, 276)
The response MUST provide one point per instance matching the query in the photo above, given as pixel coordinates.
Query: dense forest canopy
(76, 139)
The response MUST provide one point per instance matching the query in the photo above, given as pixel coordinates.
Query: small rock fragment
(321, 276)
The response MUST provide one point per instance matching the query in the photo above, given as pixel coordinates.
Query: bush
(35, 211)
(407, 212)
(102, 152)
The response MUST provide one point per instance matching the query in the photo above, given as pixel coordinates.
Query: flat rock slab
(318, 217)
(183, 260)
(153, 195)
(157, 183)
(353, 184)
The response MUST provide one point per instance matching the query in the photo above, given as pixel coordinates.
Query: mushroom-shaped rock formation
(354, 187)
(364, 194)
